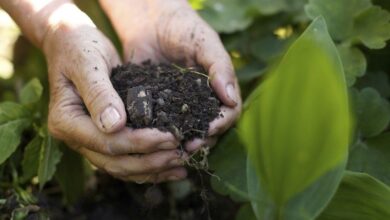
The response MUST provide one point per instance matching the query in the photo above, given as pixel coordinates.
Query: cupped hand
(80, 59)
(170, 31)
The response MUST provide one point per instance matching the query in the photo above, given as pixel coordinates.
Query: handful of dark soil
(167, 97)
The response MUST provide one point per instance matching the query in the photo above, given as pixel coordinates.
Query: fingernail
(167, 145)
(110, 117)
(231, 93)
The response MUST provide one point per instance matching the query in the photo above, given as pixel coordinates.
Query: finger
(196, 144)
(211, 54)
(93, 83)
(173, 174)
(68, 121)
(130, 165)
(221, 124)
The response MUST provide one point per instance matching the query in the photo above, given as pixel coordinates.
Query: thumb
(102, 101)
(211, 54)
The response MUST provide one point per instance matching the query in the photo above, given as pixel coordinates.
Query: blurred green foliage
(257, 34)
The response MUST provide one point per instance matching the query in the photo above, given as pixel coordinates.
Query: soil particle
(167, 97)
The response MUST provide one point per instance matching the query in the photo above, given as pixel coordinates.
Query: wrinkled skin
(80, 59)
(170, 31)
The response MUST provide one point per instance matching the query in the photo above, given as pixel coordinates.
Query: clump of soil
(167, 97)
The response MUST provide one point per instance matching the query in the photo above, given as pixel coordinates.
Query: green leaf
(50, 156)
(377, 80)
(10, 111)
(372, 157)
(228, 161)
(354, 63)
(372, 27)
(30, 160)
(373, 112)
(31, 92)
(359, 197)
(269, 7)
(306, 205)
(245, 213)
(71, 175)
(339, 14)
(13, 120)
(196, 4)
(299, 127)
(227, 16)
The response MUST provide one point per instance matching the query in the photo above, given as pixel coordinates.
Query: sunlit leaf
(298, 127)
(306, 205)
(359, 197)
(372, 156)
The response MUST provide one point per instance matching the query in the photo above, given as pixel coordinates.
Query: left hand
(171, 31)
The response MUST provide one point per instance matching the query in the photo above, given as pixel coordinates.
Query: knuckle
(95, 94)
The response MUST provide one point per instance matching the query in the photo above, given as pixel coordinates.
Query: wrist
(130, 17)
(62, 21)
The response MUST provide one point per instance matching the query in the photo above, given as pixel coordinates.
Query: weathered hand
(170, 31)
(80, 59)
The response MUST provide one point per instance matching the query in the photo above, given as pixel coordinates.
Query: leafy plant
(313, 140)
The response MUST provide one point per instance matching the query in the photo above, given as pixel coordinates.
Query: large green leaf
(30, 160)
(31, 92)
(13, 120)
(50, 156)
(372, 156)
(245, 213)
(306, 205)
(359, 197)
(373, 112)
(298, 128)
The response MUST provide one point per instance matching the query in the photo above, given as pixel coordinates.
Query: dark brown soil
(167, 97)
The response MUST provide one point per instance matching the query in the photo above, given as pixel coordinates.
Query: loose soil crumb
(167, 97)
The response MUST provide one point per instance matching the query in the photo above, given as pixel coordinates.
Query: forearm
(36, 17)
(129, 16)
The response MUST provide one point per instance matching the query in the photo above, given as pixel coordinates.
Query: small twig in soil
(194, 130)
(183, 70)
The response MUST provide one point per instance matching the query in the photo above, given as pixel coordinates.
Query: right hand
(80, 59)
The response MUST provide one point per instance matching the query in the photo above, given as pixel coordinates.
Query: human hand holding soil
(80, 59)
(170, 31)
